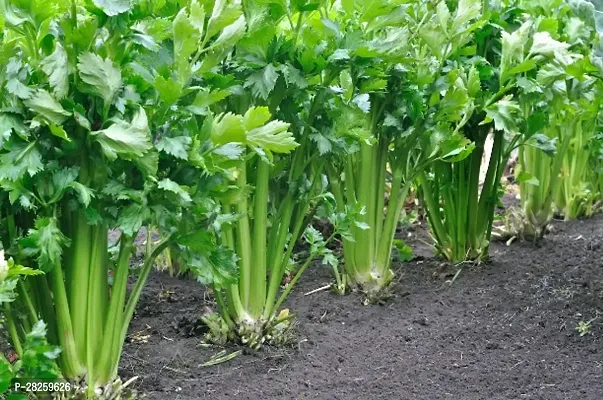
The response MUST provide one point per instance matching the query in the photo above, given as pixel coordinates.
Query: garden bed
(503, 330)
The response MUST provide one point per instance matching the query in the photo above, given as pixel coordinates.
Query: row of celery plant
(554, 168)
(462, 74)
(330, 80)
(509, 61)
(92, 96)
(361, 91)
(578, 194)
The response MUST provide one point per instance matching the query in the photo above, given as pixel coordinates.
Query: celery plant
(384, 124)
(275, 173)
(460, 213)
(248, 306)
(92, 99)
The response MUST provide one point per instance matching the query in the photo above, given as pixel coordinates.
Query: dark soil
(502, 330)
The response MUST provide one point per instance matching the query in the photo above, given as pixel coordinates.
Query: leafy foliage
(37, 358)
(38, 361)
(553, 165)
(102, 114)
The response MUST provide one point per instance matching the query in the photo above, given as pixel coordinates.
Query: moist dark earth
(505, 329)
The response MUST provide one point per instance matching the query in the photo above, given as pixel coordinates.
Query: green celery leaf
(350, 5)
(404, 250)
(159, 29)
(147, 41)
(46, 241)
(82, 121)
(197, 16)
(230, 151)
(218, 268)
(272, 137)
(57, 69)
(205, 98)
(453, 148)
(212, 59)
(16, 87)
(513, 46)
(58, 131)
(329, 258)
(323, 143)
(504, 114)
(103, 76)
(473, 82)
(228, 128)
(293, 76)
(362, 225)
(148, 164)
(339, 55)
(39, 358)
(550, 73)
(12, 15)
(434, 38)
(84, 193)
(231, 34)
(126, 139)
(7, 295)
(170, 186)
(536, 121)
(177, 146)
(132, 217)
(127, 96)
(42, 103)
(10, 123)
(466, 11)
(201, 241)
(16, 191)
(186, 39)
(524, 66)
(113, 7)
(363, 101)
(544, 44)
(61, 179)
(169, 90)
(443, 14)
(21, 158)
(262, 82)
(224, 13)
(305, 5)
(19, 270)
(256, 117)
(528, 85)
(223, 220)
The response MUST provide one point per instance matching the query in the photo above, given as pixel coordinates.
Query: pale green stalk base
(460, 214)
(577, 193)
(249, 309)
(101, 315)
(368, 256)
(537, 198)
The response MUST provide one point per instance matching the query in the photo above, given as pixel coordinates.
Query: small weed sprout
(584, 328)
